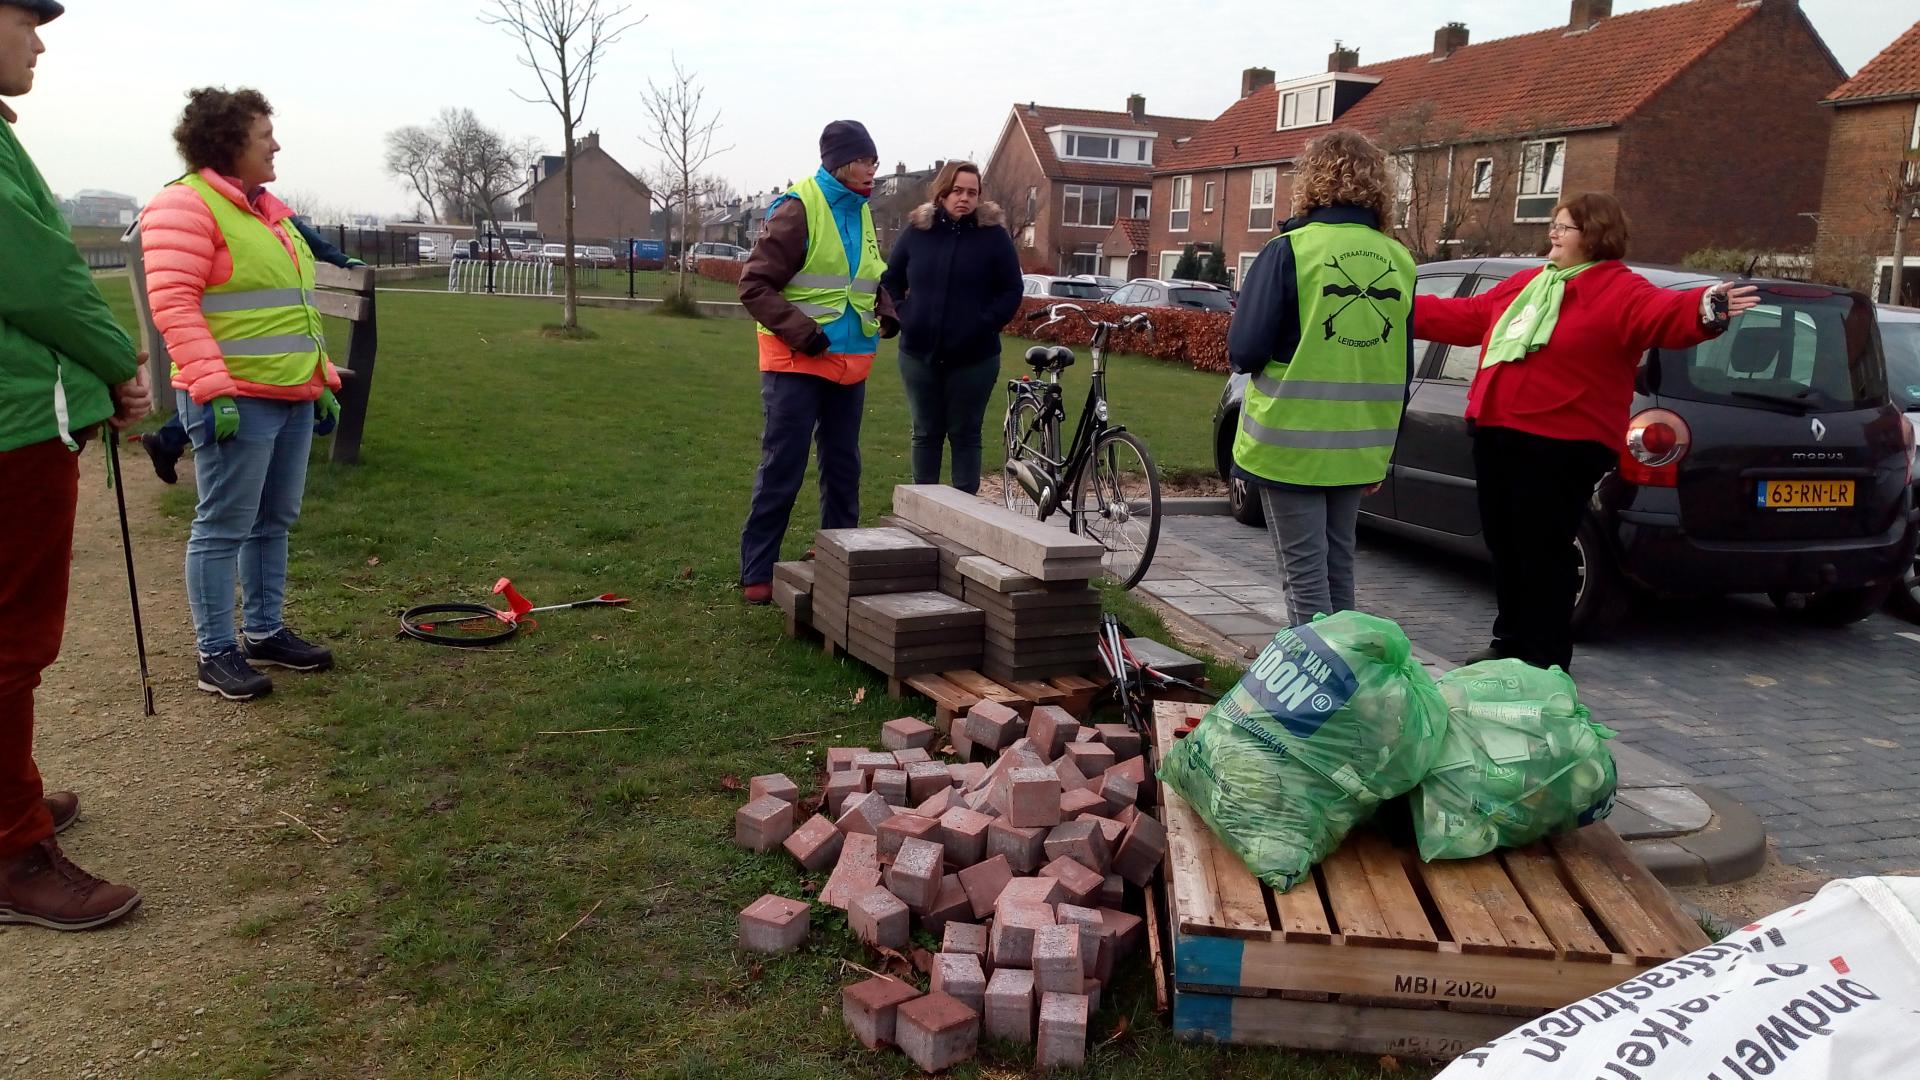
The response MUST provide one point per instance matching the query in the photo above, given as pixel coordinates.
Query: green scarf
(1529, 321)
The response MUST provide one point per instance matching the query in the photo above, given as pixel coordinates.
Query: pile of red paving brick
(1016, 857)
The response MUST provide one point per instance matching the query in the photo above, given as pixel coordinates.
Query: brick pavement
(1817, 730)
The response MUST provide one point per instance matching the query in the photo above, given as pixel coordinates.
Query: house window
(1182, 209)
(1104, 147)
(1140, 150)
(1260, 201)
(1402, 168)
(1143, 204)
(1168, 261)
(1090, 205)
(1026, 236)
(1541, 165)
(1246, 264)
(1307, 107)
(1483, 178)
(1913, 141)
(1033, 204)
(1206, 200)
(1084, 259)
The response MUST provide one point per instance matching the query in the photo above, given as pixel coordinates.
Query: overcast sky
(930, 81)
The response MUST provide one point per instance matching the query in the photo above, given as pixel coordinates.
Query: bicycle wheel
(1027, 436)
(1117, 496)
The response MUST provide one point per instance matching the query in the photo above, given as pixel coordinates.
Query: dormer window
(1307, 106)
(1103, 147)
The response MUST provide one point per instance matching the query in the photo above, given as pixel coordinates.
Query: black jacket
(954, 283)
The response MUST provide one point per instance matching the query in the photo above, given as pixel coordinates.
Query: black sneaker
(285, 650)
(228, 675)
(165, 459)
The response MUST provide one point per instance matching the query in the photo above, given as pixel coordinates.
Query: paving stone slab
(914, 611)
(994, 531)
(873, 547)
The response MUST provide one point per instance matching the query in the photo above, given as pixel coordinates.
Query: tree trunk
(570, 311)
(1895, 273)
(686, 223)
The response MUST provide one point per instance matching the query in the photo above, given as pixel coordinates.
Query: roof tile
(1551, 79)
(1893, 73)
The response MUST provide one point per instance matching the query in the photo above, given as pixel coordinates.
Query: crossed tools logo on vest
(1356, 293)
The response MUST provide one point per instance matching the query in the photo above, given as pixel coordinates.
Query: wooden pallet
(1381, 953)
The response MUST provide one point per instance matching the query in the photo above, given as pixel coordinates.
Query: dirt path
(181, 805)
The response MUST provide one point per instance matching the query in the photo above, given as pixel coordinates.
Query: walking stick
(126, 545)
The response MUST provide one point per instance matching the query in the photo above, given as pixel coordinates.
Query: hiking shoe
(286, 650)
(758, 594)
(228, 675)
(165, 460)
(41, 886)
(65, 808)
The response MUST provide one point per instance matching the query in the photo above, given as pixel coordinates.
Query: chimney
(1449, 39)
(1032, 109)
(1586, 14)
(1342, 58)
(1254, 79)
(1137, 107)
(900, 168)
(591, 142)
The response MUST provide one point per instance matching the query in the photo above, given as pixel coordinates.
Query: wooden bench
(1381, 953)
(345, 294)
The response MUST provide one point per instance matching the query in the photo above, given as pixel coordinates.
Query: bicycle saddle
(1050, 357)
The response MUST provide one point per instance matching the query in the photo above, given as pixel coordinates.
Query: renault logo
(1819, 430)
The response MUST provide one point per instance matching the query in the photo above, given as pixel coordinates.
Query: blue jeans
(948, 403)
(801, 410)
(250, 488)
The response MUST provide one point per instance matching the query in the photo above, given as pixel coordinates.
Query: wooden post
(362, 347)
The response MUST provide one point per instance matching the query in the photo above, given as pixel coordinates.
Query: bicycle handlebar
(1058, 312)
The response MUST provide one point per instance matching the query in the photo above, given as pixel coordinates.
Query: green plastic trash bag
(1332, 720)
(1522, 760)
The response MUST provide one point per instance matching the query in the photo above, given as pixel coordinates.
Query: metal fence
(105, 257)
(500, 276)
(375, 247)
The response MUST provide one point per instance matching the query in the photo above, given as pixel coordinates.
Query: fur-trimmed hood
(988, 214)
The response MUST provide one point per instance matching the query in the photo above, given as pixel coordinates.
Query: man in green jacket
(66, 366)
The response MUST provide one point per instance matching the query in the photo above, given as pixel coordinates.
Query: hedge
(725, 270)
(1197, 339)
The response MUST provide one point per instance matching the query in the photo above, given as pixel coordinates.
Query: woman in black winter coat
(955, 280)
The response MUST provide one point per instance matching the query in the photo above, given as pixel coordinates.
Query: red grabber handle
(520, 604)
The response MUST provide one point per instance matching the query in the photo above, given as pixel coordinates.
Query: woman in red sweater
(1548, 409)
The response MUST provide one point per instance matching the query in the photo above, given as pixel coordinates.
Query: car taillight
(1657, 440)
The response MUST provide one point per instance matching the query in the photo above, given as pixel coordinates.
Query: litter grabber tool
(470, 625)
(112, 439)
(1132, 683)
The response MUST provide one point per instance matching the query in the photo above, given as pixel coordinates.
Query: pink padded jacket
(186, 255)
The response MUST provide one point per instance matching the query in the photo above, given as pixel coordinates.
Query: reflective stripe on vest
(827, 285)
(262, 318)
(1329, 415)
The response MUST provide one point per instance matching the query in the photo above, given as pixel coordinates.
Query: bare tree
(682, 133)
(478, 169)
(411, 152)
(1440, 209)
(564, 42)
(1021, 212)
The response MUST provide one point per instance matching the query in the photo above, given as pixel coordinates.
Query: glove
(326, 412)
(352, 263)
(818, 344)
(889, 326)
(223, 413)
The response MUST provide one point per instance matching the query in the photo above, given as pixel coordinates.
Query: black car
(1770, 460)
(1900, 338)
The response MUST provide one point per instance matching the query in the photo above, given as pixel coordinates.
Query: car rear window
(1075, 290)
(1804, 350)
(1204, 299)
(1901, 340)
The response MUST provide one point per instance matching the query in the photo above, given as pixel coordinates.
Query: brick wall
(1728, 154)
(1226, 228)
(1010, 172)
(607, 204)
(1856, 225)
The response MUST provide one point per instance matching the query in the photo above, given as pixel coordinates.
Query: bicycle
(1113, 488)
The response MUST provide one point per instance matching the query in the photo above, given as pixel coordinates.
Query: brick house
(609, 203)
(1487, 137)
(1065, 176)
(895, 195)
(1876, 132)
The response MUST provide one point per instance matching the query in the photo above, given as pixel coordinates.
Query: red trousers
(39, 486)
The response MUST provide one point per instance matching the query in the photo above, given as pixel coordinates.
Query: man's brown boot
(65, 808)
(41, 886)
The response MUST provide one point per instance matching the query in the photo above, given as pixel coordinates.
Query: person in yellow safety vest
(812, 286)
(1324, 326)
(230, 282)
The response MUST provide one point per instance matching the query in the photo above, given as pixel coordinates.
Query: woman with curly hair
(230, 282)
(1323, 326)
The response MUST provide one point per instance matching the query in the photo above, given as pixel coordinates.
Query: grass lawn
(475, 842)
